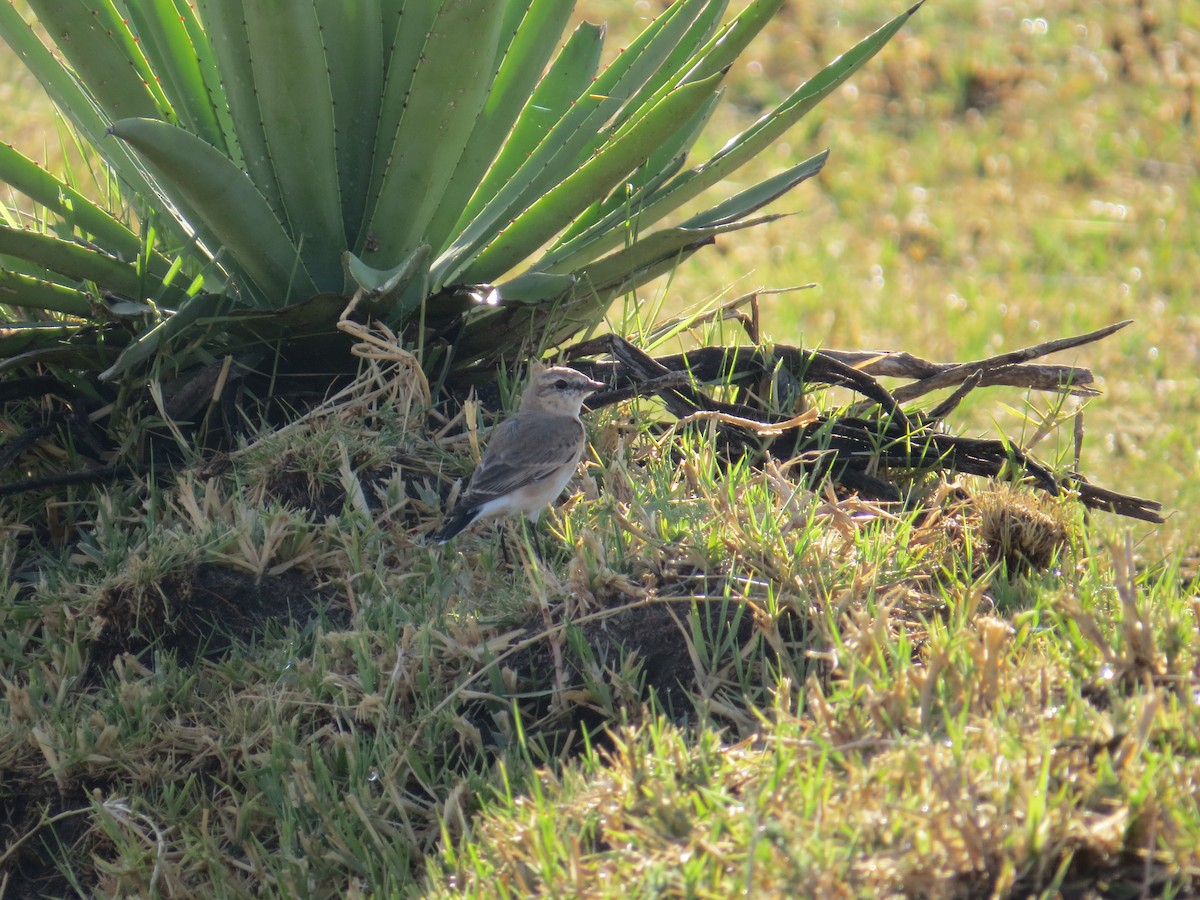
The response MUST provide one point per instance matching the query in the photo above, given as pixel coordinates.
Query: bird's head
(558, 389)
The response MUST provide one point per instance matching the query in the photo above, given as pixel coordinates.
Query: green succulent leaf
(354, 49)
(387, 290)
(175, 58)
(226, 27)
(578, 134)
(569, 76)
(227, 202)
(592, 181)
(409, 152)
(75, 261)
(521, 66)
(755, 198)
(444, 102)
(28, 292)
(79, 216)
(537, 287)
(736, 152)
(300, 135)
(95, 40)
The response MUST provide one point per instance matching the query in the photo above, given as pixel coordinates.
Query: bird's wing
(522, 451)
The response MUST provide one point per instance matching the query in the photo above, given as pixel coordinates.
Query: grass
(697, 679)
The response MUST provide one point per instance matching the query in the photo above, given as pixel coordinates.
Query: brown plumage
(530, 456)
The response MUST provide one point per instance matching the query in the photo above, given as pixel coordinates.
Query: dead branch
(857, 452)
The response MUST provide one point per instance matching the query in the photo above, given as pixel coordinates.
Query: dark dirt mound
(203, 612)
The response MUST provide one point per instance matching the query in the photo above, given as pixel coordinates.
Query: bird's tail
(459, 519)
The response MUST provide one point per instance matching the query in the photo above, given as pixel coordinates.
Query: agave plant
(453, 166)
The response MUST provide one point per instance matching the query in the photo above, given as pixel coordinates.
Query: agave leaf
(736, 152)
(155, 340)
(650, 250)
(354, 50)
(621, 206)
(77, 261)
(240, 218)
(388, 292)
(722, 50)
(754, 198)
(592, 181)
(77, 212)
(433, 131)
(572, 71)
(404, 26)
(536, 287)
(36, 344)
(225, 23)
(568, 144)
(700, 18)
(171, 51)
(69, 97)
(520, 68)
(101, 49)
(561, 314)
(288, 64)
(20, 337)
(206, 62)
(18, 289)
(312, 315)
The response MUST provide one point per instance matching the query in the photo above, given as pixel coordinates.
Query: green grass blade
(175, 59)
(519, 71)
(444, 102)
(354, 49)
(592, 181)
(97, 43)
(291, 82)
(204, 179)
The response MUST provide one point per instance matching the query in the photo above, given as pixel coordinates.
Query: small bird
(531, 456)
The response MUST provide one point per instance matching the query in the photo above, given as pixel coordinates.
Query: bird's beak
(596, 385)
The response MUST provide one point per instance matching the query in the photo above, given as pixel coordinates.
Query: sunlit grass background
(1003, 174)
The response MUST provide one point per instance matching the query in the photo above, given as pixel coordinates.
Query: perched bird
(531, 456)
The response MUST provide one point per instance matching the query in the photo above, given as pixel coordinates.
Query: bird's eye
(561, 384)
